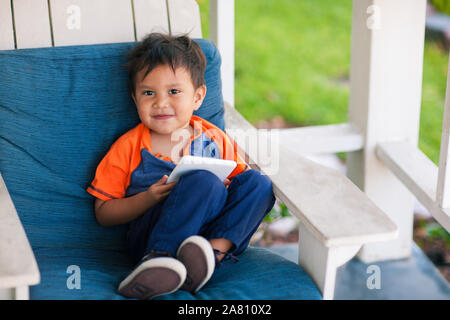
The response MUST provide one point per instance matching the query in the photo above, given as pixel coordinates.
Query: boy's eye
(174, 91)
(148, 93)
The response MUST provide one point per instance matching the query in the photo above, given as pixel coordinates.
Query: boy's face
(165, 99)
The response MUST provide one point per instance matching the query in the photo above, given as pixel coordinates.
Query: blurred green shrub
(436, 231)
(276, 213)
(442, 5)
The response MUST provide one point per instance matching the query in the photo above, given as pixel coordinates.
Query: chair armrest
(329, 204)
(336, 217)
(18, 267)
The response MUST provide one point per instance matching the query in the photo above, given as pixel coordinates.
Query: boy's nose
(160, 103)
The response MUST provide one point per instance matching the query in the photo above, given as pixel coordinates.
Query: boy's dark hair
(161, 49)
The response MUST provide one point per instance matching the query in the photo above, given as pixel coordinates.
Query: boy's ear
(133, 96)
(200, 94)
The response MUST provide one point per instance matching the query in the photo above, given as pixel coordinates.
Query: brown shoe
(155, 275)
(197, 255)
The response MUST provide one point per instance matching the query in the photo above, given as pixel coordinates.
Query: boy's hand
(159, 190)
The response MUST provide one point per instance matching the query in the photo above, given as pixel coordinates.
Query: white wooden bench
(336, 217)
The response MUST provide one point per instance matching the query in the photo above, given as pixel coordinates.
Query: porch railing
(381, 136)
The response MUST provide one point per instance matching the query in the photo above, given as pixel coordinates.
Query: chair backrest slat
(184, 17)
(150, 16)
(76, 22)
(32, 24)
(6, 26)
(46, 23)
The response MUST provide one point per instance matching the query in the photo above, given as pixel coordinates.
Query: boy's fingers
(173, 183)
(163, 179)
(165, 193)
(164, 187)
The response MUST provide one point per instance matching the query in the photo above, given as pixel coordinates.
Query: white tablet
(221, 168)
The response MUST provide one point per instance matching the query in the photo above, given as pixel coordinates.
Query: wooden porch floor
(415, 278)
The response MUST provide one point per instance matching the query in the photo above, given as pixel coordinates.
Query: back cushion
(61, 109)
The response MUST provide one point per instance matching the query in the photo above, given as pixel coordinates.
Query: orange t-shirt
(130, 167)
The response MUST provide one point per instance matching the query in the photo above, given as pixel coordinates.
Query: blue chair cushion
(260, 274)
(61, 108)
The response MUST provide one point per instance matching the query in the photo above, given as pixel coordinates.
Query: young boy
(178, 232)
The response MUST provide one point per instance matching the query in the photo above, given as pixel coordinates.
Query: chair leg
(22, 293)
(19, 293)
(321, 262)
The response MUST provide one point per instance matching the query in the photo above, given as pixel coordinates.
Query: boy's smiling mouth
(163, 116)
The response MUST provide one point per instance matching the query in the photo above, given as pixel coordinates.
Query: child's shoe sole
(152, 278)
(197, 255)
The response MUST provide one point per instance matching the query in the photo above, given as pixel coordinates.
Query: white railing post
(221, 20)
(385, 97)
(443, 192)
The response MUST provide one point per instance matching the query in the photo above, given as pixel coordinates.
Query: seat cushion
(61, 109)
(260, 274)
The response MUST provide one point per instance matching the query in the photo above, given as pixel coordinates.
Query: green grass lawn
(293, 60)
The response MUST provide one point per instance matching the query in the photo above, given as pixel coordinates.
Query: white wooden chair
(336, 217)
